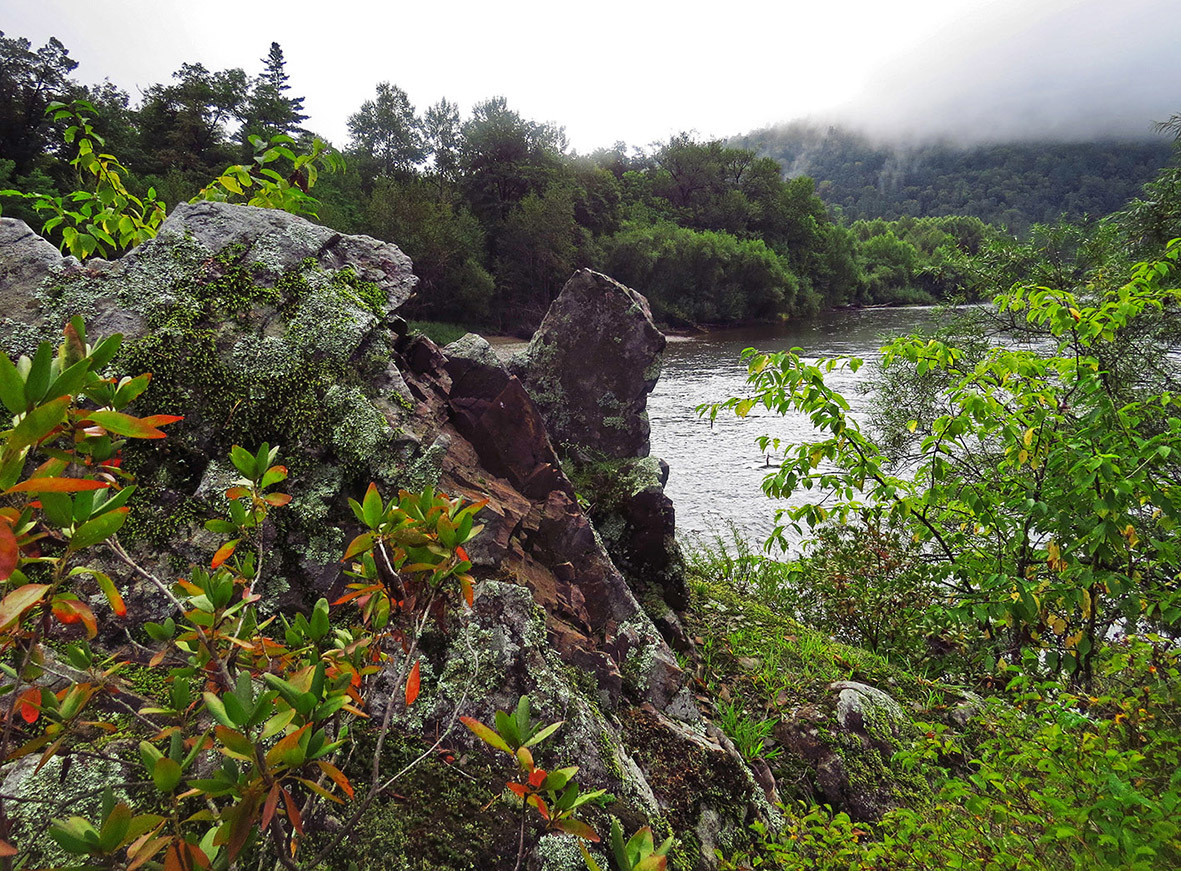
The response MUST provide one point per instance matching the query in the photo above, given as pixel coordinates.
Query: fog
(1065, 71)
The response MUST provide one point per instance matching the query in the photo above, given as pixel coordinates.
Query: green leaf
(217, 710)
(485, 734)
(125, 425)
(38, 423)
(166, 774)
(98, 529)
(371, 507)
(544, 733)
(37, 382)
(12, 386)
(243, 461)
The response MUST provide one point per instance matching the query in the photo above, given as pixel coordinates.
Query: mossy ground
(766, 667)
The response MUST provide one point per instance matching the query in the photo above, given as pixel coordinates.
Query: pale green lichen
(361, 435)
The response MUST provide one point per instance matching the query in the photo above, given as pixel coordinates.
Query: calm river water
(716, 471)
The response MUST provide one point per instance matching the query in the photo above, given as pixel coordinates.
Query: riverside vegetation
(496, 213)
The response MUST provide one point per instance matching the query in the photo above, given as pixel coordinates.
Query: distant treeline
(494, 209)
(1013, 185)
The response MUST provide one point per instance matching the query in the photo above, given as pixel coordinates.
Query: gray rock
(868, 711)
(591, 365)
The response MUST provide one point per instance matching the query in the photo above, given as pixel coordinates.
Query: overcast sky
(642, 70)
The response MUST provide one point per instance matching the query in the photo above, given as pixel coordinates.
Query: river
(716, 472)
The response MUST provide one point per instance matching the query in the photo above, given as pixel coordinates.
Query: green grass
(440, 332)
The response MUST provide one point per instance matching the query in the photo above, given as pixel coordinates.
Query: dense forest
(495, 210)
(1013, 185)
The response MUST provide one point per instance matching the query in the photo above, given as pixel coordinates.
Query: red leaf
(537, 777)
(9, 550)
(268, 809)
(6, 849)
(518, 788)
(412, 683)
(277, 500)
(292, 812)
(30, 704)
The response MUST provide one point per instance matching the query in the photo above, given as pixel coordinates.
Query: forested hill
(1014, 184)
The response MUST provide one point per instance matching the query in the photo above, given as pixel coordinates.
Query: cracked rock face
(589, 369)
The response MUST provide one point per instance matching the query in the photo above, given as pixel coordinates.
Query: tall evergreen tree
(269, 110)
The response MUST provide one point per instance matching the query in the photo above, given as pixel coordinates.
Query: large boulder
(259, 326)
(589, 368)
(591, 365)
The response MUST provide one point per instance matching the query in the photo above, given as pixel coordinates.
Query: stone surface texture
(590, 368)
(260, 326)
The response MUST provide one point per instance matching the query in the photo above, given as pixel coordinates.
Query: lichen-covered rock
(589, 368)
(591, 365)
(846, 744)
(259, 326)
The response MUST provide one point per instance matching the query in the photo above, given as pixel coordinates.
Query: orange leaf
(161, 419)
(542, 809)
(277, 500)
(224, 553)
(518, 788)
(412, 683)
(9, 550)
(6, 849)
(57, 485)
(469, 592)
(72, 611)
(237, 492)
(337, 776)
(30, 704)
(14, 605)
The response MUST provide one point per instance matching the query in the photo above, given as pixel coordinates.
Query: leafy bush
(1044, 487)
(1066, 782)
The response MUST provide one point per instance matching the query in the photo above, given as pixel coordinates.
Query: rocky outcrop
(589, 368)
(846, 742)
(259, 326)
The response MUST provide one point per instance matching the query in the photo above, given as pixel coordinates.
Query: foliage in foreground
(103, 217)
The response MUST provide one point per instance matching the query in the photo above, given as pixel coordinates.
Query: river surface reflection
(716, 471)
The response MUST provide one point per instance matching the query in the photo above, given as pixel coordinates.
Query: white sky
(642, 70)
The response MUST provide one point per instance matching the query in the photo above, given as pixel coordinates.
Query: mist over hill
(1014, 184)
